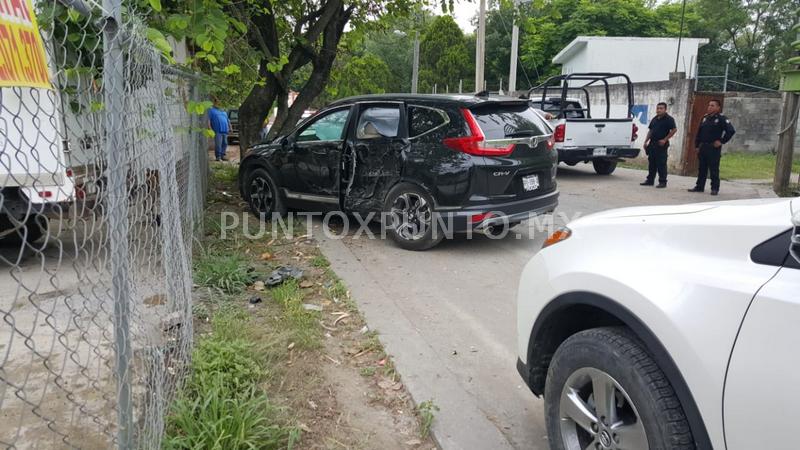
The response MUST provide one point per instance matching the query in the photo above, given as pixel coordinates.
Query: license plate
(600, 151)
(531, 182)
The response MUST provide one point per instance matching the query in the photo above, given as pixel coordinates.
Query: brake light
(560, 132)
(475, 143)
(635, 133)
(69, 172)
(550, 143)
(45, 194)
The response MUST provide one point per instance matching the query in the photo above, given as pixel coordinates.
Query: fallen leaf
(413, 442)
(291, 346)
(306, 284)
(312, 404)
(397, 386)
(266, 256)
(382, 362)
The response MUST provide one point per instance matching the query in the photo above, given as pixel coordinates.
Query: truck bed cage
(591, 78)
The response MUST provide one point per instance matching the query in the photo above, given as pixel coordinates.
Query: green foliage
(444, 58)
(303, 323)
(198, 108)
(357, 75)
(427, 412)
(228, 273)
(221, 406)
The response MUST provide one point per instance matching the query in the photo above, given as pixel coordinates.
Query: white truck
(579, 135)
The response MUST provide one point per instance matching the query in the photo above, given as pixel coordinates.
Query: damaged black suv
(426, 165)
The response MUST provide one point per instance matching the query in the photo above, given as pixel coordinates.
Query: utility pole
(790, 84)
(680, 36)
(415, 69)
(480, 47)
(512, 73)
(725, 79)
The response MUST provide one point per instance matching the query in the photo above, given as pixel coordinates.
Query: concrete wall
(642, 59)
(756, 117)
(645, 98)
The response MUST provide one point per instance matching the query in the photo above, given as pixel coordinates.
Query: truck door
(373, 159)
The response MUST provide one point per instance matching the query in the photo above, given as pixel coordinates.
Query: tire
(613, 358)
(604, 166)
(411, 232)
(262, 194)
(34, 228)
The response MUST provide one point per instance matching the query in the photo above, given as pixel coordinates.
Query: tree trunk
(253, 111)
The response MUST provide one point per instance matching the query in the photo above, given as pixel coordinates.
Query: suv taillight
(635, 133)
(560, 132)
(475, 143)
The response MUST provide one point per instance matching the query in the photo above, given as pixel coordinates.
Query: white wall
(643, 59)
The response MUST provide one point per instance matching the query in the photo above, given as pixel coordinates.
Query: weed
(320, 261)
(200, 311)
(427, 411)
(305, 331)
(228, 273)
(370, 342)
(225, 174)
(367, 371)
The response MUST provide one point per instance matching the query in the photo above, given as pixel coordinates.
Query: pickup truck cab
(581, 136)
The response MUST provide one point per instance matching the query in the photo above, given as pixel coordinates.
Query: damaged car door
(316, 153)
(374, 154)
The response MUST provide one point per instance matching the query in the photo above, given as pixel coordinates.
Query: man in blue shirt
(220, 124)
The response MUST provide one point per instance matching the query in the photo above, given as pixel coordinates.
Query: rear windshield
(572, 110)
(509, 120)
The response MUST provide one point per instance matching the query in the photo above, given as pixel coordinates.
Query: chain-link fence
(102, 180)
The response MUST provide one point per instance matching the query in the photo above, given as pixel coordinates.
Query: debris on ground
(258, 286)
(311, 307)
(254, 300)
(305, 284)
(282, 274)
(364, 330)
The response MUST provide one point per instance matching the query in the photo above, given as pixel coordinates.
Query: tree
(366, 74)
(444, 59)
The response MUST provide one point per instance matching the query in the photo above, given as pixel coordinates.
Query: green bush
(224, 364)
(228, 273)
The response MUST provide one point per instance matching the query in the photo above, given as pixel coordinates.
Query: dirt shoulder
(327, 371)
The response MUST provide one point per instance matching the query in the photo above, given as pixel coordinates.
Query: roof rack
(591, 78)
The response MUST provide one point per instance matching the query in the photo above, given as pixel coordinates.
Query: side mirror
(794, 247)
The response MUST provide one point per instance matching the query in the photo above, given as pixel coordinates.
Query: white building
(643, 59)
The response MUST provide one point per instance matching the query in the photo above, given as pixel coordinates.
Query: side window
(423, 120)
(378, 121)
(329, 127)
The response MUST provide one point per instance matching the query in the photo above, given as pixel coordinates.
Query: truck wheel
(604, 166)
(411, 220)
(31, 231)
(604, 390)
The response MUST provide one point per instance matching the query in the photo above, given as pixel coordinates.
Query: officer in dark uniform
(662, 128)
(715, 130)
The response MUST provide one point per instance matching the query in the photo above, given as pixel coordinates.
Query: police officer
(715, 130)
(662, 128)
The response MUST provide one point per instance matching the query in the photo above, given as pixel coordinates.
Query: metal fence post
(114, 99)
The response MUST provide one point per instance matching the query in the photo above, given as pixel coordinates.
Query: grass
(427, 411)
(320, 261)
(228, 273)
(225, 173)
(222, 406)
(303, 324)
(735, 166)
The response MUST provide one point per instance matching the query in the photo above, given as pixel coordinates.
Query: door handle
(600, 125)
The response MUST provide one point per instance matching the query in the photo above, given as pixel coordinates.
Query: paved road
(447, 316)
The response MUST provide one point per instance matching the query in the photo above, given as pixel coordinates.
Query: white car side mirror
(794, 247)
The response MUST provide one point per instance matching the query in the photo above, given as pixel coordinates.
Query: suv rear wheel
(604, 166)
(410, 215)
(605, 391)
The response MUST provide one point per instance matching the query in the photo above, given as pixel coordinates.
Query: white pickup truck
(602, 139)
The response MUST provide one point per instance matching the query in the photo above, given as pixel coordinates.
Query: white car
(673, 327)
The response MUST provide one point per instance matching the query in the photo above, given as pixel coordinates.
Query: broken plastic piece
(255, 299)
(282, 274)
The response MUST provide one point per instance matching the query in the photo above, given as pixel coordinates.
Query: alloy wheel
(596, 413)
(261, 196)
(411, 216)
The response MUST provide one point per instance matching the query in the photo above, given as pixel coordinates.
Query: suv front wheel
(605, 391)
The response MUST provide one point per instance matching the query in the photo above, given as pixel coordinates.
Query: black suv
(432, 164)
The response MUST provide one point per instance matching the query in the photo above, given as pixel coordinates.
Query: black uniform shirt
(660, 128)
(714, 127)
